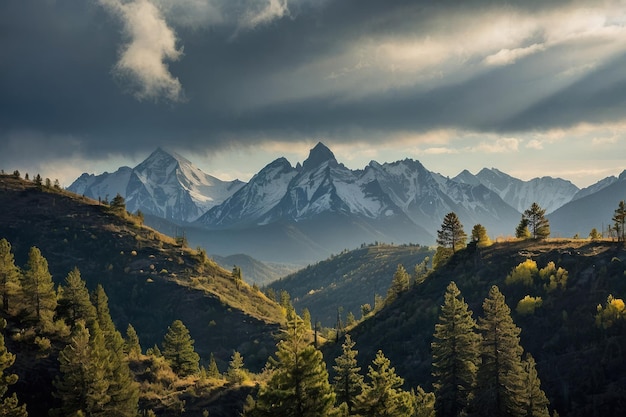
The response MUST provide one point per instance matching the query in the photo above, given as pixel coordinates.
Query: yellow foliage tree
(612, 311)
(528, 305)
(523, 273)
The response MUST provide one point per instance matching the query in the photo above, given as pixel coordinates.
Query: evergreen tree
(619, 221)
(480, 237)
(455, 354)
(500, 378)
(9, 406)
(399, 283)
(594, 234)
(118, 204)
(74, 302)
(123, 390)
(521, 231)
(451, 234)
(213, 371)
(383, 396)
(298, 386)
(38, 289)
(178, 350)
(83, 384)
(348, 382)
(423, 402)
(131, 345)
(236, 372)
(536, 402)
(9, 275)
(538, 225)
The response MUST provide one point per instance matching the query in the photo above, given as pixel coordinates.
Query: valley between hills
(574, 330)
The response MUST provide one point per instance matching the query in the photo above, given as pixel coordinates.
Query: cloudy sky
(530, 87)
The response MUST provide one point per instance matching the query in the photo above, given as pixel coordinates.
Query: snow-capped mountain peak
(318, 156)
(165, 184)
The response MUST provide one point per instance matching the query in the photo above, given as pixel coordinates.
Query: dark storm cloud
(71, 72)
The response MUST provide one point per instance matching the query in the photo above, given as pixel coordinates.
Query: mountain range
(319, 207)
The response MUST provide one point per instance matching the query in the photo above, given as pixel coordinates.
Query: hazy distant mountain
(550, 193)
(591, 210)
(165, 184)
(426, 197)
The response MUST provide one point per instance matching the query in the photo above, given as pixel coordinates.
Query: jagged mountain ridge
(402, 192)
(550, 193)
(321, 206)
(165, 184)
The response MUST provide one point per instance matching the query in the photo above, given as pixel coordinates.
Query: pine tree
(123, 390)
(178, 350)
(38, 289)
(521, 231)
(9, 275)
(118, 204)
(619, 221)
(9, 406)
(83, 384)
(348, 382)
(399, 283)
(538, 225)
(536, 402)
(298, 386)
(455, 354)
(480, 237)
(131, 345)
(213, 371)
(382, 395)
(236, 372)
(74, 302)
(500, 378)
(451, 234)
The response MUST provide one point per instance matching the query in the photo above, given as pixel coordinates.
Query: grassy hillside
(255, 271)
(150, 279)
(348, 280)
(582, 366)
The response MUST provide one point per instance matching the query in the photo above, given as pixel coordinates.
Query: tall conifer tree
(536, 402)
(382, 395)
(123, 389)
(455, 354)
(83, 384)
(131, 345)
(74, 302)
(451, 235)
(501, 377)
(348, 382)
(178, 350)
(38, 289)
(299, 384)
(538, 224)
(9, 275)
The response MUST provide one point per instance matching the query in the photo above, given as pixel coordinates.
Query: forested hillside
(350, 283)
(566, 296)
(150, 280)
